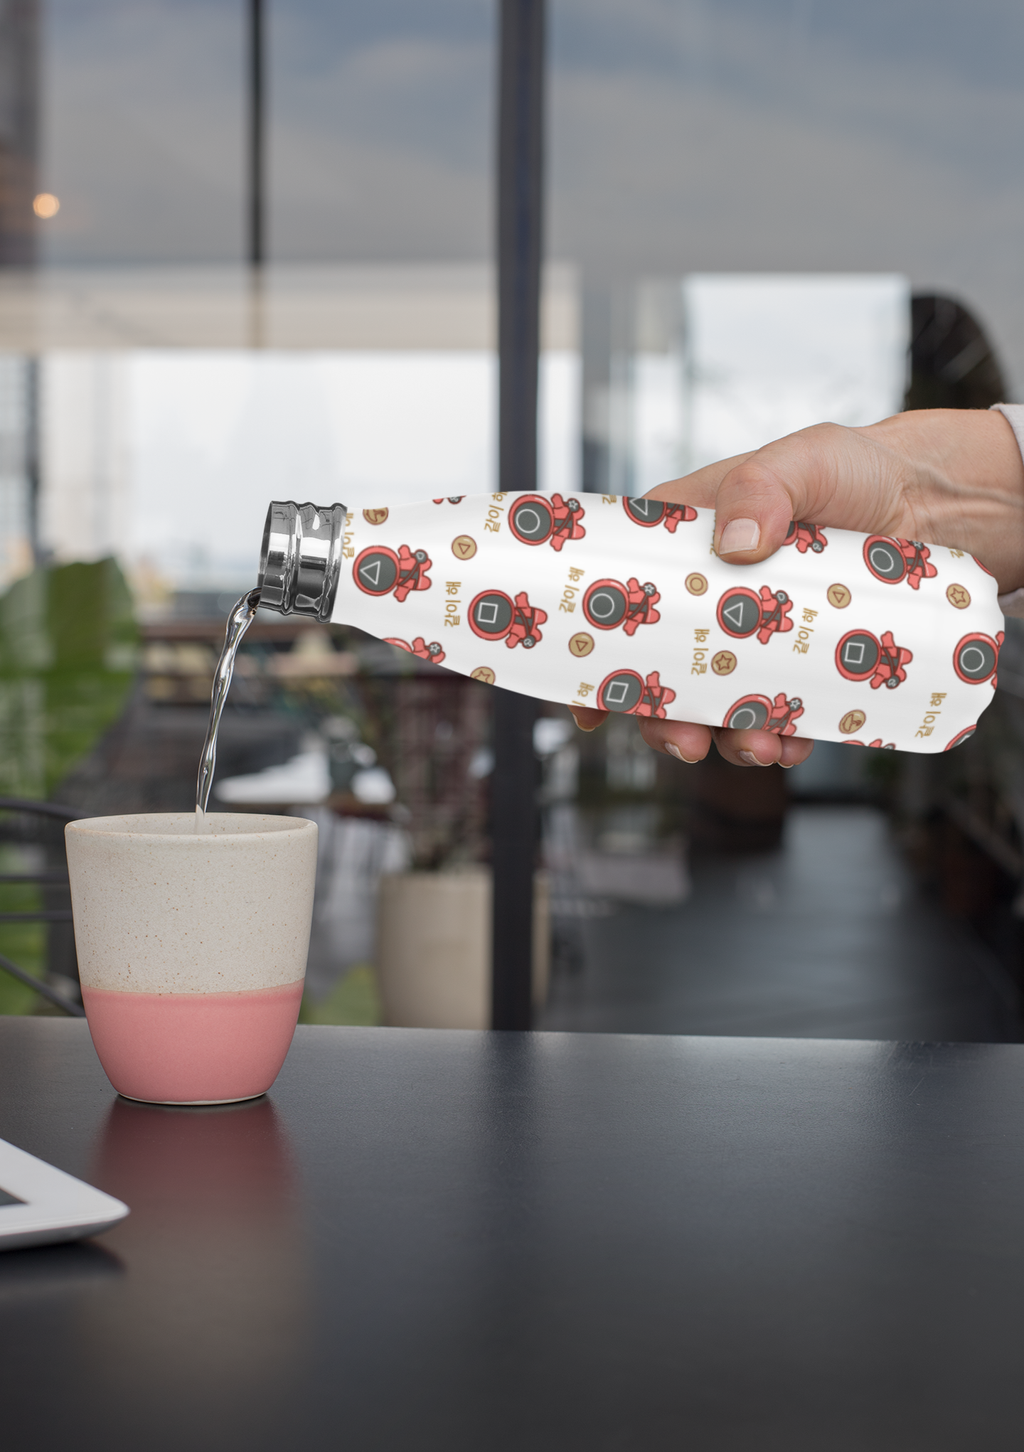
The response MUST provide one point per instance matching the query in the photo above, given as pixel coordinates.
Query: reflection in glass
(696, 137)
(375, 385)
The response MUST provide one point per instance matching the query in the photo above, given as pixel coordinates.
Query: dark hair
(952, 362)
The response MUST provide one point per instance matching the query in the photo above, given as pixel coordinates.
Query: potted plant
(434, 920)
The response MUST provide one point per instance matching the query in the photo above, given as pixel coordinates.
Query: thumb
(823, 475)
(753, 513)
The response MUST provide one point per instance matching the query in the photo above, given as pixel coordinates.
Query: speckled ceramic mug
(192, 948)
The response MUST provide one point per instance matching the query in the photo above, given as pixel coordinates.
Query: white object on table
(40, 1204)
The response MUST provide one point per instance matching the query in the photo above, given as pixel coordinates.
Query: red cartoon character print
(961, 737)
(759, 713)
(893, 560)
(451, 498)
(806, 537)
(652, 512)
(976, 657)
(861, 656)
(537, 519)
(635, 695)
(419, 648)
(379, 571)
(888, 746)
(609, 604)
(493, 615)
(741, 612)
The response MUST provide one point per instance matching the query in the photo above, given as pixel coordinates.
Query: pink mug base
(192, 1048)
(189, 1103)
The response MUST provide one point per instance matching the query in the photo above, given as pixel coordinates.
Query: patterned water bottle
(622, 604)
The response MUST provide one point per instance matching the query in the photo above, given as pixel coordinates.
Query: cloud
(684, 135)
(723, 143)
(379, 149)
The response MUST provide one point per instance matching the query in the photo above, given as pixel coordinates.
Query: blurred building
(19, 128)
(164, 435)
(718, 363)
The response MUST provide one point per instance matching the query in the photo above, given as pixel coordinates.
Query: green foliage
(354, 1001)
(68, 650)
(23, 943)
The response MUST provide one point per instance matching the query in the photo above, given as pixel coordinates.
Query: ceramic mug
(192, 948)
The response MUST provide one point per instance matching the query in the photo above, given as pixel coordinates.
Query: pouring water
(241, 617)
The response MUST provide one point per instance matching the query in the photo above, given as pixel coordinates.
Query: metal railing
(53, 879)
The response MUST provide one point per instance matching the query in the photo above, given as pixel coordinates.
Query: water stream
(241, 617)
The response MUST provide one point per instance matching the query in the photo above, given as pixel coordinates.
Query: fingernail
(674, 749)
(739, 534)
(751, 759)
(787, 765)
(580, 724)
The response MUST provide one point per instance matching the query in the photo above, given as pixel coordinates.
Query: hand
(946, 476)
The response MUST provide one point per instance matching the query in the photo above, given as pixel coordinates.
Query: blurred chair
(39, 827)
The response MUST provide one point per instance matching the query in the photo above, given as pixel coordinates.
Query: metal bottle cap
(300, 560)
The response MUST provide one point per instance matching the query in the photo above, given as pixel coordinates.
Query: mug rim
(264, 825)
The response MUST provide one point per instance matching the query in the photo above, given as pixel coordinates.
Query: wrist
(962, 479)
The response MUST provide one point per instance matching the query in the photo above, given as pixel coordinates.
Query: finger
(761, 748)
(748, 748)
(753, 513)
(586, 718)
(822, 475)
(795, 749)
(699, 488)
(684, 740)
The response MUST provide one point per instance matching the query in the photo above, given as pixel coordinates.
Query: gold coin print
(724, 663)
(581, 644)
(851, 722)
(464, 547)
(839, 596)
(375, 516)
(958, 596)
(483, 673)
(696, 584)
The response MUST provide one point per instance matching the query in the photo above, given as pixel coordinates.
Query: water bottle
(620, 603)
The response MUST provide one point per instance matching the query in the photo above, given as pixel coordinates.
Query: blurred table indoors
(178, 661)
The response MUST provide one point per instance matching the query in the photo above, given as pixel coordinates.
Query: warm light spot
(46, 205)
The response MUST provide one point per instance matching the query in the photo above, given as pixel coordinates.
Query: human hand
(951, 477)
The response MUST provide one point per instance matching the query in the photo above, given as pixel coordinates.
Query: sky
(684, 136)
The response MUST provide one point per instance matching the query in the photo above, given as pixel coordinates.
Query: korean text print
(621, 604)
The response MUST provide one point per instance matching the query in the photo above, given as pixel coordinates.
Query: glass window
(752, 194)
(790, 138)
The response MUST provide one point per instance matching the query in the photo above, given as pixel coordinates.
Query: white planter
(434, 948)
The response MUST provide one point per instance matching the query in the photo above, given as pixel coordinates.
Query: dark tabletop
(428, 1240)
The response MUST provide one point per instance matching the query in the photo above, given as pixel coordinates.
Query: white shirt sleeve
(1013, 603)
